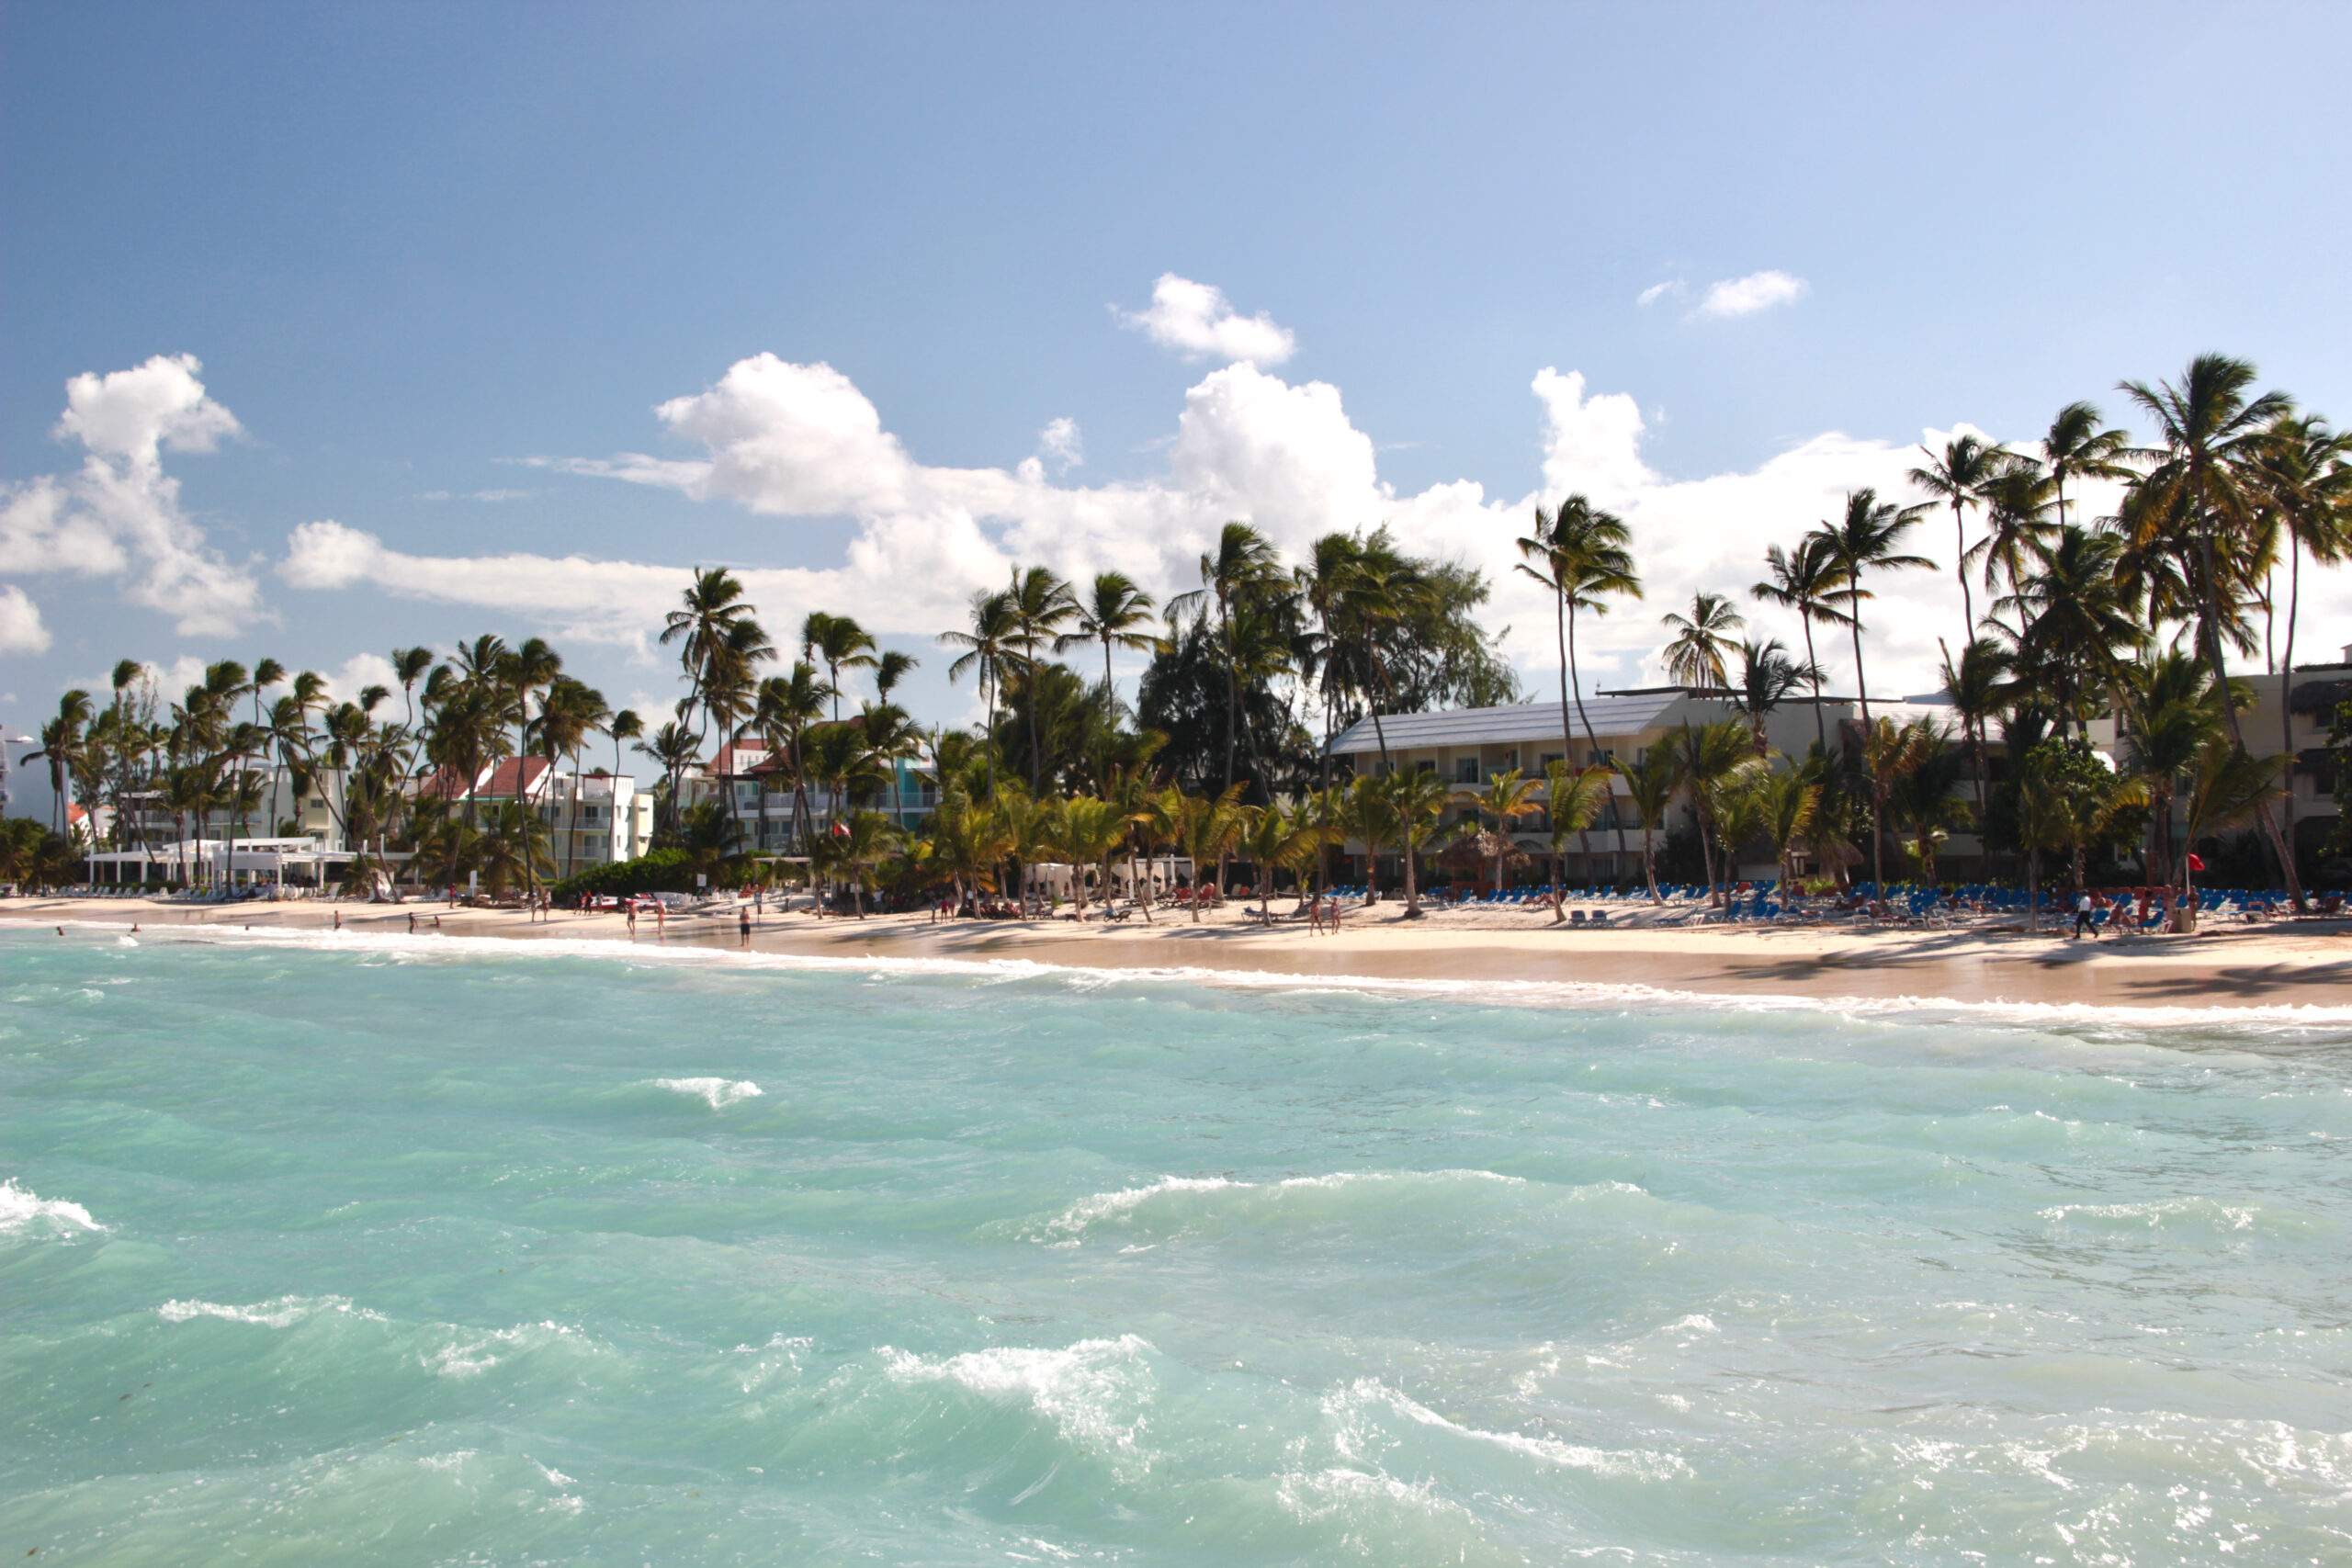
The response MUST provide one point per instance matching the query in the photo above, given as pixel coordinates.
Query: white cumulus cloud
(119, 514)
(1062, 444)
(1745, 296)
(21, 630)
(1197, 322)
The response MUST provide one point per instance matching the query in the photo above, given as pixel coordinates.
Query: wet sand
(2306, 963)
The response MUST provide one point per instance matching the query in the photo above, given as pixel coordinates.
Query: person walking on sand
(411, 922)
(2083, 920)
(632, 920)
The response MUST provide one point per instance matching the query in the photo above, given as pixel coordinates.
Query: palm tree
(62, 749)
(988, 647)
(1695, 657)
(1767, 678)
(1417, 801)
(1206, 829)
(1785, 804)
(709, 607)
(1111, 615)
(1585, 555)
(1574, 798)
(2019, 515)
(1507, 796)
(2211, 427)
(1867, 537)
(1366, 816)
(1806, 580)
(1273, 838)
(2075, 624)
(1650, 782)
(2170, 717)
(1959, 480)
(2226, 787)
(1709, 754)
(2076, 446)
(839, 643)
(1979, 688)
(1243, 563)
(785, 712)
(2306, 476)
(1040, 604)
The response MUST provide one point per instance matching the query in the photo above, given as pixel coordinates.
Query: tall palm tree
(1959, 478)
(60, 746)
(1040, 604)
(2211, 429)
(1806, 580)
(2020, 512)
(1584, 555)
(1114, 611)
(1709, 755)
(2170, 715)
(987, 648)
(710, 605)
(2305, 470)
(1695, 657)
(1867, 537)
(1244, 562)
(2075, 626)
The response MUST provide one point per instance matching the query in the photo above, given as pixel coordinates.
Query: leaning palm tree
(1867, 537)
(2204, 492)
(1959, 478)
(1807, 580)
(1243, 563)
(1506, 797)
(1111, 614)
(1695, 657)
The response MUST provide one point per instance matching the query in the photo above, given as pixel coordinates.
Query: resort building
(2293, 712)
(592, 818)
(281, 810)
(755, 787)
(1468, 746)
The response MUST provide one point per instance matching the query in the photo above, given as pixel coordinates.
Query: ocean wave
(1356, 1409)
(470, 1354)
(283, 1312)
(1485, 992)
(717, 1093)
(1095, 1391)
(1122, 1207)
(2208, 1212)
(27, 1214)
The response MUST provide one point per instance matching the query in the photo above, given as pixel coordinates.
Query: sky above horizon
(331, 330)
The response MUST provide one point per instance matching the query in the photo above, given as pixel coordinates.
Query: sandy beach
(2306, 963)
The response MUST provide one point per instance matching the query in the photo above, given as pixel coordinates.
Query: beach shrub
(662, 871)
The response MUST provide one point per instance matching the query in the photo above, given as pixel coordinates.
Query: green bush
(663, 871)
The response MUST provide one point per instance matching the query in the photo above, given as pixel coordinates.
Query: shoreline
(2214, 973)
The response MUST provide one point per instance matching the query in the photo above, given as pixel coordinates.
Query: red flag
(2196, 862)
(841, 830)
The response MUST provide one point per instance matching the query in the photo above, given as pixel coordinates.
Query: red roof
(511, 776)
(741, 760)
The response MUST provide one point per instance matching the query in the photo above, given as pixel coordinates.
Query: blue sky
(413, 246)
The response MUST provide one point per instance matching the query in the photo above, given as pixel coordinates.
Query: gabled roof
(1625, 714)
(511, 777)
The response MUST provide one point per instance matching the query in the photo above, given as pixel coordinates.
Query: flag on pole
(2196, 862)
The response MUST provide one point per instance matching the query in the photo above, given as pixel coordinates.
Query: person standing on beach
(742, 926)
(411, 922)
(632, 920)
(338, 920)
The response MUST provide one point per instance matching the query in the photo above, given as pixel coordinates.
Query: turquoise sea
(389, 1251)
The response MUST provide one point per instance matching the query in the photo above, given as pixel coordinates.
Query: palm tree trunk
(2287, 678)
(1649, 863)
(2208, 592)
(1820, 724)
(1110, 720)
(1863, 694)
(1412, 886)
(1960, 569)
(1232, 696)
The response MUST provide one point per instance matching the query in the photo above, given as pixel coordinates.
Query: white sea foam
(2226, 1216)
(1095, 1391)
(472, 1354)
(717, 1093)
(1522, 993)
(1350, 1406)
(283, 1312)
(1111, 1207)
(27, 1214)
